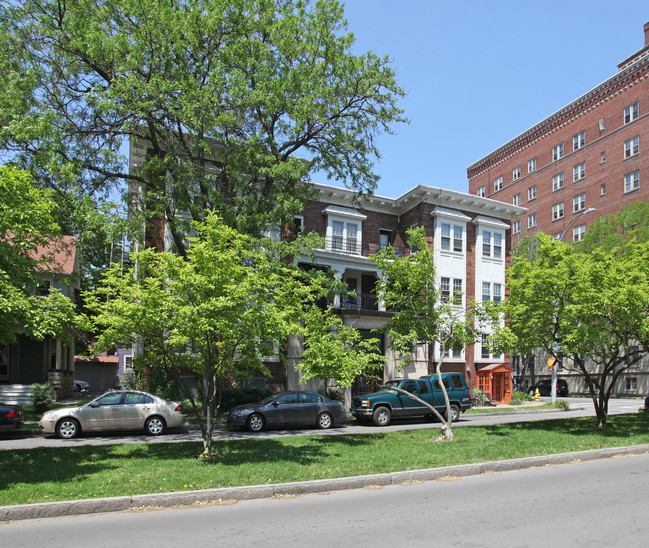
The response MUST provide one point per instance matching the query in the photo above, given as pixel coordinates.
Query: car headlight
(47, 414)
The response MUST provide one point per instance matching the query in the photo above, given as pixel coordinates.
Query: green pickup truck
(381, 406)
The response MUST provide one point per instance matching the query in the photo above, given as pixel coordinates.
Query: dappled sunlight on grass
(66, 473)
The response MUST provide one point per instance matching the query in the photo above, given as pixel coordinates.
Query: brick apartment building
(582, 162)
(470, 238)
(590, 156)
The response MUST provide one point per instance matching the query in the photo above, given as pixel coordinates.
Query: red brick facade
(608, 152)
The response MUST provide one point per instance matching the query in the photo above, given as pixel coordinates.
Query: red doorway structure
(496, 380)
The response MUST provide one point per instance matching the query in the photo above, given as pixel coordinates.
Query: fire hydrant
(537, 395)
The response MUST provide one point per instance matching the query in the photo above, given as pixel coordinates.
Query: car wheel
(256, 422)
(455, 413)
(68, 428)
(155, 426)
(77, 388)
(381, 416)
(325, 421)
(531, 392)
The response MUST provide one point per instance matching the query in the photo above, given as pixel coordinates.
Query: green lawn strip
(519, 408)
(50, 474)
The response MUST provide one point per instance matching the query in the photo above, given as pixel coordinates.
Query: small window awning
(496, 368)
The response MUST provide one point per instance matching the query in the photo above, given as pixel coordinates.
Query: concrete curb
(188, 498)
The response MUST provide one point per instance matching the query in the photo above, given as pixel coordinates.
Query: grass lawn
(49, 474)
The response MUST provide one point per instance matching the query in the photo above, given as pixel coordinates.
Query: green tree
(217, 313)
(582, 306)
(27, 229)
(336, 351)
(630, 223)
(409, 287)
(236, 103)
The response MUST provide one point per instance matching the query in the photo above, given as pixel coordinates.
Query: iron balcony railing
(353, 246)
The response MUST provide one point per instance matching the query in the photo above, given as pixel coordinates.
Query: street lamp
(585, 212)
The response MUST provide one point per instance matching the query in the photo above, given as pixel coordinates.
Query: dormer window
(344, 230)
(450, 230)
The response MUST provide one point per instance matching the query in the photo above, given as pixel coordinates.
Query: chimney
(646, 34)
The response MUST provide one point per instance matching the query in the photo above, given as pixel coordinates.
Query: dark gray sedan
(288, 409)
(11, 417)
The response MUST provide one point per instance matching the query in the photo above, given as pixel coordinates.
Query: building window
(631, 147)
(631, 384)
(579, 140)
(579, 202)
(497, 293)
(344, 237)
(531, 193)
(298, 224)
(557, 152)
(43, 288)
(557, 181)
(516, 200)
(486, 292)
(498, 184)
(557, 211)
(445, 289)
(385, 238)
(579, 172)
(484, 351)
(531, 165)
(481, 191)
(631, 181)
(602, 158)
(578, 233)
(602, 189)
(516, 226)
(631, 113)
(498, 245)
(486, 244)
(457, 237)
(531, 220)
(457, 289)
(516, 173)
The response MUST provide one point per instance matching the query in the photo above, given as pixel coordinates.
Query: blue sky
(479, 73)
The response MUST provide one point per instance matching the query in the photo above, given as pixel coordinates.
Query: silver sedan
(115, 410)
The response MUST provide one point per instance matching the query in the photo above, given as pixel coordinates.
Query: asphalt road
(591, 504)
(580, 407)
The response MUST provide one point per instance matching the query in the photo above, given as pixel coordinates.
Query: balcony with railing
(353, 246)
(362, 302)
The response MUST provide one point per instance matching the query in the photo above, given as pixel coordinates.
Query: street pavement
(581, 407)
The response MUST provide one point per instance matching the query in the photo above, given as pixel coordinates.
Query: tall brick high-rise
(582, 162)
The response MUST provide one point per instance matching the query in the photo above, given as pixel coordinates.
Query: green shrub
(562, 404)
(42, 396)
(479, 398)
(522, 396)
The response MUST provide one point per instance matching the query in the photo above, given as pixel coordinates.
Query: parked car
(11, 417)
(381, 406)
(114, 410)
(287, 409)
(545, 388)
(80, 385)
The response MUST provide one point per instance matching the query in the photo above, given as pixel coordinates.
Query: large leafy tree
(29, 236)
(588, 310)
(410, 288)
(611, 232)
(236, 103)
(218, 312)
